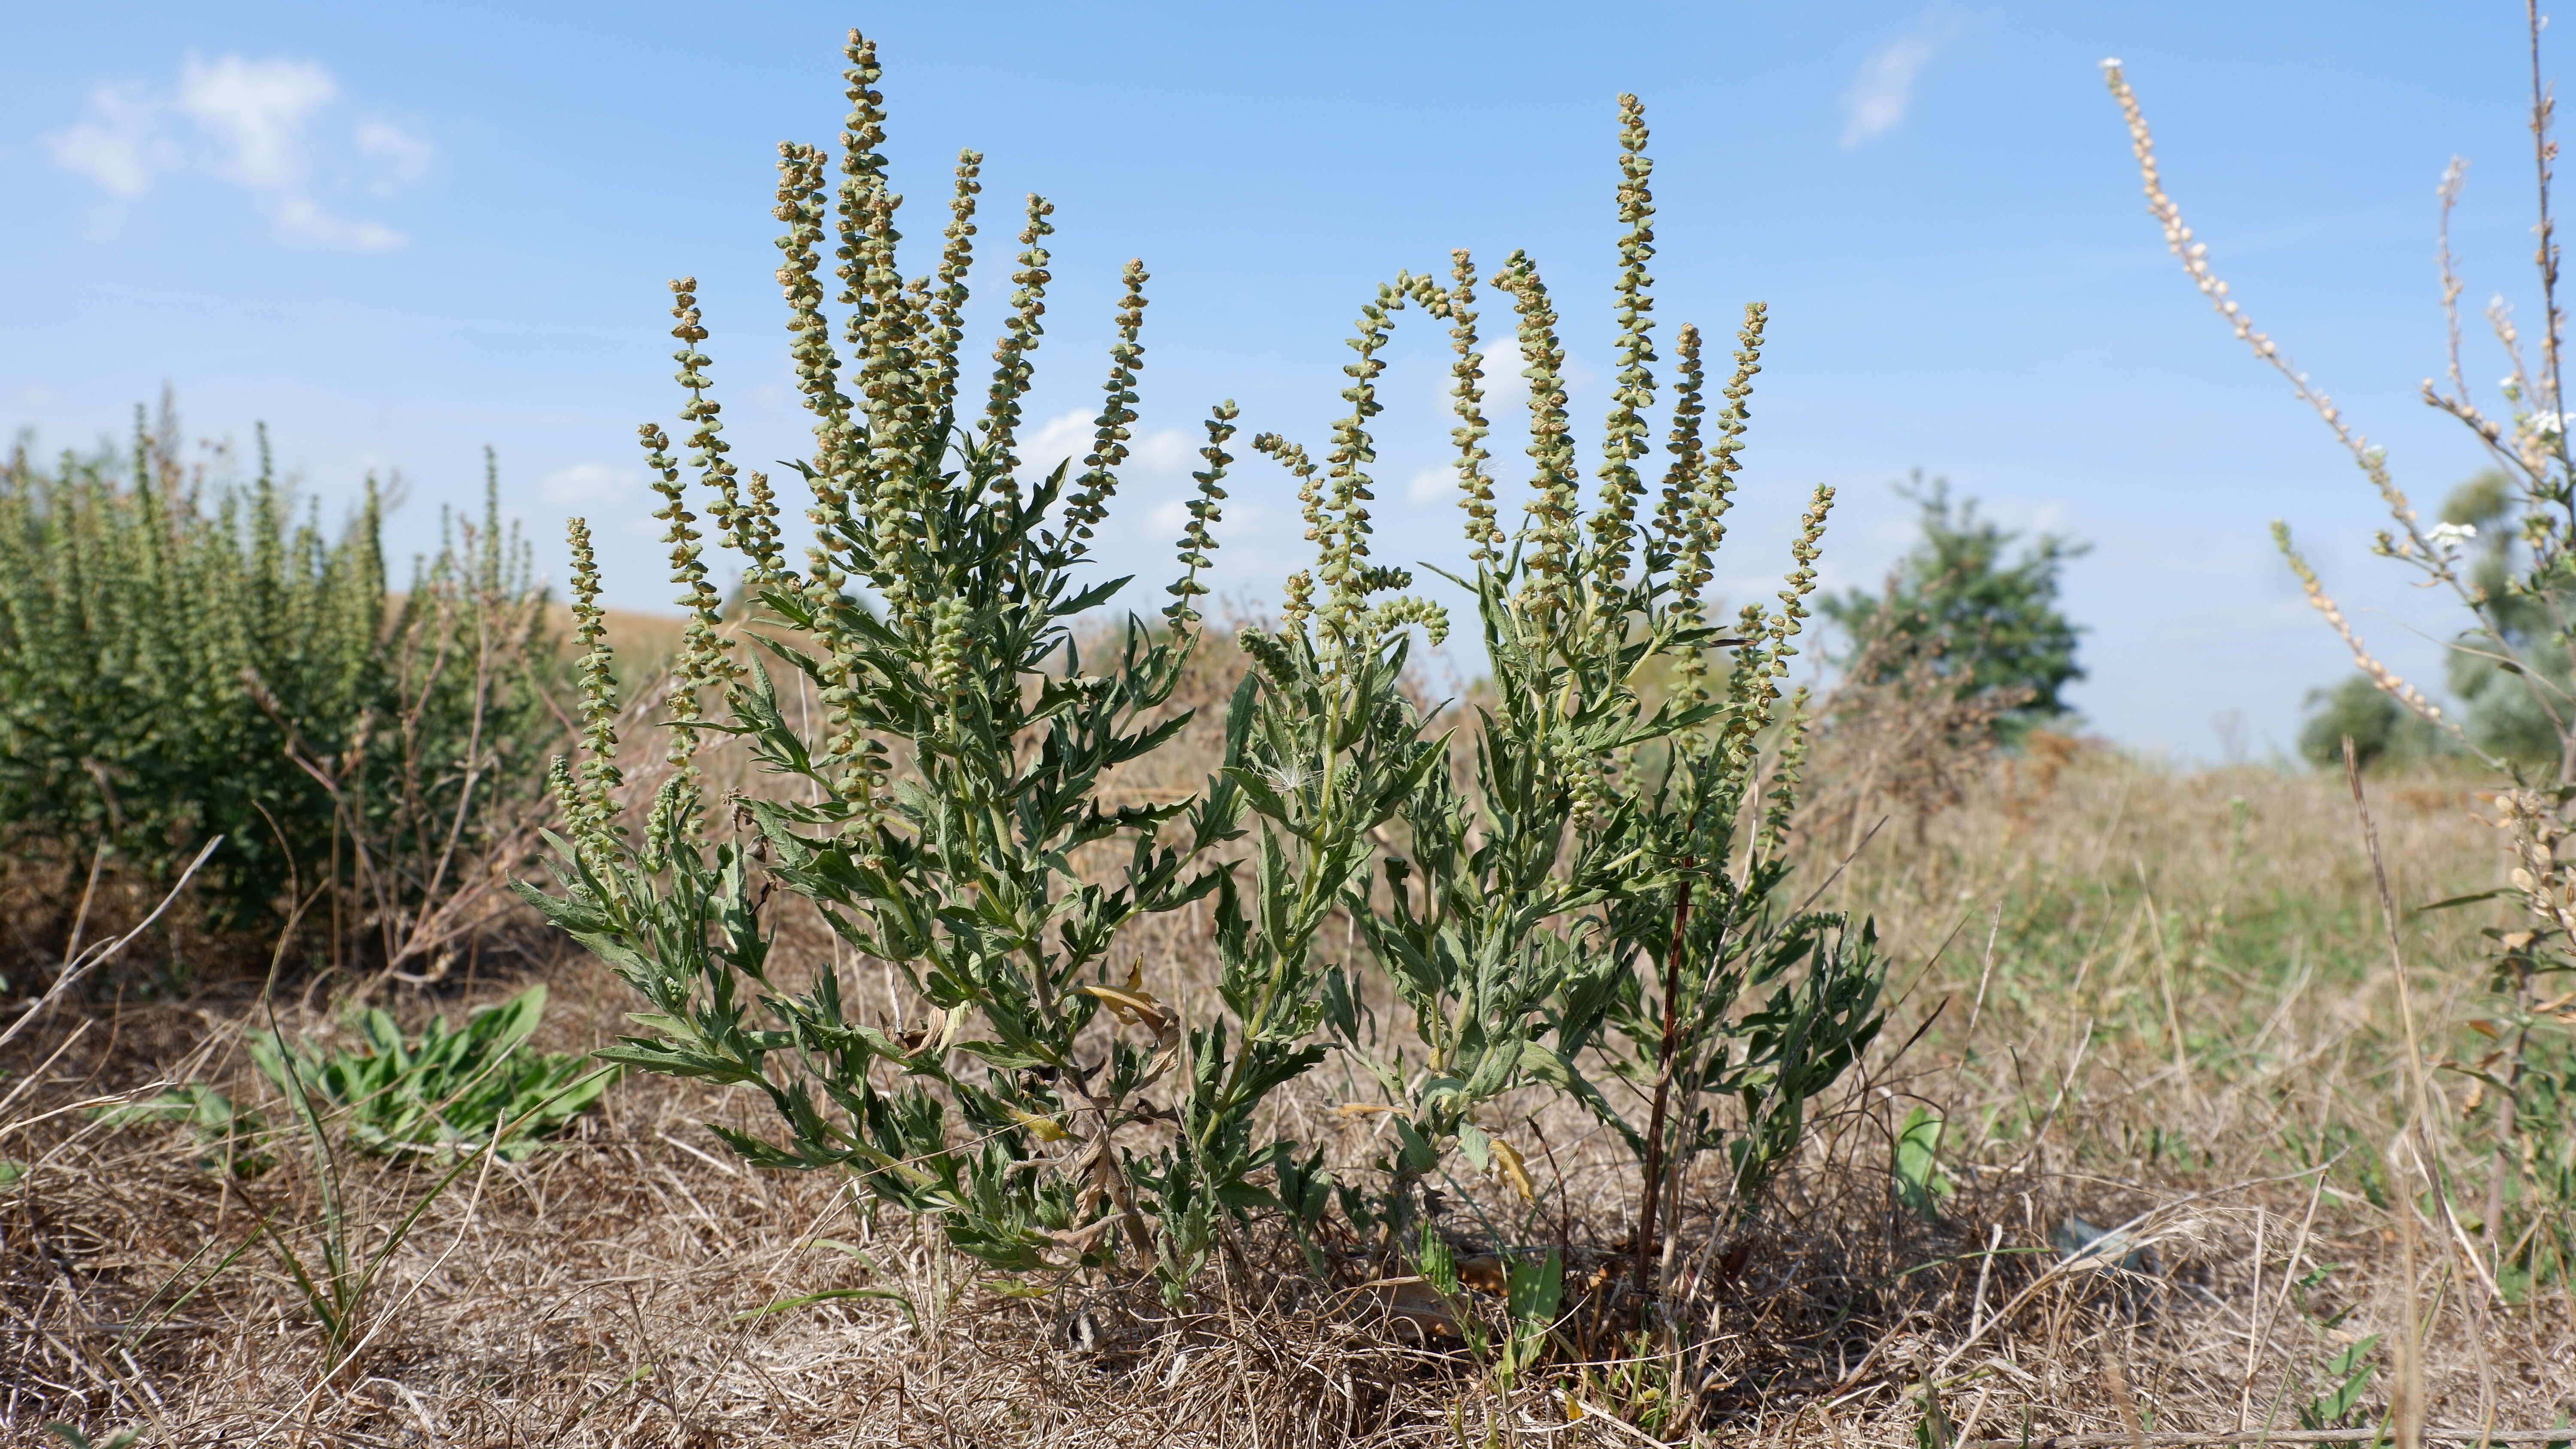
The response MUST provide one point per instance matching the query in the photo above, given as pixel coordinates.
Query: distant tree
(2508, 714)
(1983, 627)
(2504, 711)
(2381, 729)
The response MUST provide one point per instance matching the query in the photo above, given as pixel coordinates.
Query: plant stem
(1652, 1192)
(2509, 1124)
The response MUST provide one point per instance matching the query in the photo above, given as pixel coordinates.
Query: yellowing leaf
(1123, 1001)
(1507, 1160)
(1133, 1007)
(1045, 1129)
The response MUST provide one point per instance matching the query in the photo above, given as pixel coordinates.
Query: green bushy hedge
(182, 658)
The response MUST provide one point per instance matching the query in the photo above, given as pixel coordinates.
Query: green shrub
(1986, 628)
(2506, 716)
(951, 817)
(2507, 673)
(179, 661)
(2379, 727)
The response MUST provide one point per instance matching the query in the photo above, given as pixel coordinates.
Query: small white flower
(2545, 425)
(2110, 62)
(2446, 538)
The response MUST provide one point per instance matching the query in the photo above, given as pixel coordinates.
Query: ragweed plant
(182, 658)
(1324, 748)
(1537, 920)
(951, 816)
(137, 608)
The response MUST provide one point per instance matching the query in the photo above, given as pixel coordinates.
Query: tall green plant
(1324, 748)
(982, 862)
(1049, 1106)
(1536, 923)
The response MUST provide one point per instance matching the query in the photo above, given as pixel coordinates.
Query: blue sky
(397, 234)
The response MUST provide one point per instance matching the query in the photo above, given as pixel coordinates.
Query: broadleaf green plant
(1511, 1341)
(452, 1091)
(2345, 1379)
(1915, 1165)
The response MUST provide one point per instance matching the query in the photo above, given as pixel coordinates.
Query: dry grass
(2140, 998)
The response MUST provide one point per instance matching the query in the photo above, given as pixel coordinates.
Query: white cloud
(1882, 90)
(1161, 453)
(582, 483)
(1431, 485)
(1165, 450)
(1506, 391)
(300, 219)
(1241, 527)
(120, 145)
(1064, 436)
(257, 124)
(255, 112)
(400, 156)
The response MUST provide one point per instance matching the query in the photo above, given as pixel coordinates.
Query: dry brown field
(2155, 1009)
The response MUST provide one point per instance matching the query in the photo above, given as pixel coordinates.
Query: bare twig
(2407, 1403)
(91, 960)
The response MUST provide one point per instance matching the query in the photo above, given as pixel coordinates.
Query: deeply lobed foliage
(952, 816)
